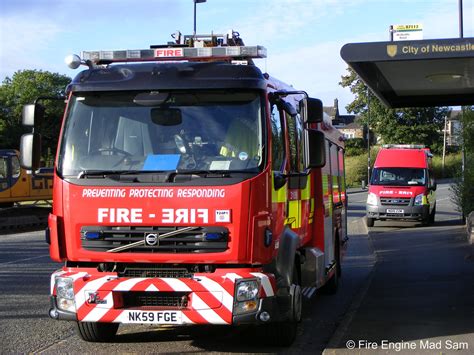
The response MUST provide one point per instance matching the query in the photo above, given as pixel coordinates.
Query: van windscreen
(398, 176)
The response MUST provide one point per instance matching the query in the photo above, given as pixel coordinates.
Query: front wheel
(97, 332)
(432, 215)
(284, 333)
(370, 222)
(280, 333)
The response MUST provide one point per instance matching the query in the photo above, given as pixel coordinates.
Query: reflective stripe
(280, 195)
(295, 213)
(306, 192)
(424, 200)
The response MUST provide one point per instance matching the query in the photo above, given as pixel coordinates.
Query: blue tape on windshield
(161, 162)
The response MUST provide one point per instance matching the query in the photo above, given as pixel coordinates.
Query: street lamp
(196, 2)
(368, 136)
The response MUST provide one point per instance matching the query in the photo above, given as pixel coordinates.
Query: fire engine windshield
(165, 131)
(398, 176)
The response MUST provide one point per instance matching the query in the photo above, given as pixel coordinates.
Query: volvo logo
(151, 239)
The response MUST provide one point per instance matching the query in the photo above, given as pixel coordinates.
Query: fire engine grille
(395, 201)
(155, 272)
(177, 240)
(153, 300)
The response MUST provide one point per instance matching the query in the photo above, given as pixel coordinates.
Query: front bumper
(207, 298)
(415, 213)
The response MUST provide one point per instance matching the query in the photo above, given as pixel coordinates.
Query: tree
(402, 126)
(25, 87)
(463, 189)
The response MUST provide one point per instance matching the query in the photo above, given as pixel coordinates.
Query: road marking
(351, 312)
(15, 261)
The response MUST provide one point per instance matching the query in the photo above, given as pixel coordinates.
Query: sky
(303, 37)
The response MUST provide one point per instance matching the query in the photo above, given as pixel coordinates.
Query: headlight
(64, 288)
(419, 200)
(247, 290)
(372, 199)
(246, 297)
(65, 294)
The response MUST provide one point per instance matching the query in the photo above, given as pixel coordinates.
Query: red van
(402, 186)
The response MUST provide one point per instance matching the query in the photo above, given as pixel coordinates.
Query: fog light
(264, 316)
(53, 314)
(66, 305)
(245, 307)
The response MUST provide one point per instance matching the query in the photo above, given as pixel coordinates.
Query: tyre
(426, 220)
(331, 286)
(97, 332)
(280, 333)
(284, 333)
(432, 215)
(370, 222)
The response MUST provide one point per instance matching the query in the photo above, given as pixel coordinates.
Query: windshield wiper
(97, 173)
(208, 173)
(105, 173)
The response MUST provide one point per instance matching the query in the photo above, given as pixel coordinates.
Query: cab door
(299, 181)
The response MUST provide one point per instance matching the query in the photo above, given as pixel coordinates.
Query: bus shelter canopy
(437, 72)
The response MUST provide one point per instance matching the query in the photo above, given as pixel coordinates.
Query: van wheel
(432, 215)
(370, 222)
(426, 221)
(96, 332)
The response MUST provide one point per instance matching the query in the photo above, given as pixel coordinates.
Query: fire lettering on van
(396, 192)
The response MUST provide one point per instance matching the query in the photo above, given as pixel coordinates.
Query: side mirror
(30, 151)
(32, 115)
(316, 149)
(315, 111)
(434, 185)
(279, 180)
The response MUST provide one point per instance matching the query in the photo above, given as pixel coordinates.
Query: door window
(16, 169)
(3, 168)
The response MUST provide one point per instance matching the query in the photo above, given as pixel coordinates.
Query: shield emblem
(392, 50)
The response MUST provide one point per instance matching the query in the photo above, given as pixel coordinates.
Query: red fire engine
(190, 188)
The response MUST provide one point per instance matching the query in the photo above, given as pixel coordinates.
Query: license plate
(153, 317)
(392, 210)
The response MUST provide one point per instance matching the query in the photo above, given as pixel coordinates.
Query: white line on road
(15, 261)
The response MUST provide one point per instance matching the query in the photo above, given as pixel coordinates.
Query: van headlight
(372, 199)
(418, 200)
(65, 294)
(246, 293)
